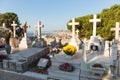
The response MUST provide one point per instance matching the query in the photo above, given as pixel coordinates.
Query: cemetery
(79, 59)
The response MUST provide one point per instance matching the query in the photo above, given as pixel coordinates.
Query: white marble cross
(39, 26)
(117, 29)
(77, 31)
(73, 24)
(94, 20)
(14, 28)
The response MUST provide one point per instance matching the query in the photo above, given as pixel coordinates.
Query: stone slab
(6, 64)
(54, 72)
(42, 63)
(21, 65)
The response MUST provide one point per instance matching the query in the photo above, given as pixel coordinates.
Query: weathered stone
(5, 64)
(21, 65)
(12, 65)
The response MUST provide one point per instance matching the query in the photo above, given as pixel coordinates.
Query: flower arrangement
(97, 65)
(69, 50)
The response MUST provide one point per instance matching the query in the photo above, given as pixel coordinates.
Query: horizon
(53, 14)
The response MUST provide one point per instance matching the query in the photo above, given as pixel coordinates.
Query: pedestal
(74, 43)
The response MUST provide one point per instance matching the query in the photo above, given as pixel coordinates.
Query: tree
(108, 19)
(8, 18)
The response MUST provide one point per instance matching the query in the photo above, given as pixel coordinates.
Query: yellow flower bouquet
(69, 50)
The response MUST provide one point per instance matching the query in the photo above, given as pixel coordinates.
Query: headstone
(42, 63)
(107, 49)
(39, 26)
(73, 39)
(14, 28)
(94, 20)
(117, 29)
(94, 41)
(114, 52)
(23, 42)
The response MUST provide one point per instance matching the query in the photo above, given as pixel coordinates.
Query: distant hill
(108, 18)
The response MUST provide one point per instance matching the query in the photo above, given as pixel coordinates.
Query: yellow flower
(69, 50)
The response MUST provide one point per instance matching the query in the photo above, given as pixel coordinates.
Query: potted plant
(69, 50)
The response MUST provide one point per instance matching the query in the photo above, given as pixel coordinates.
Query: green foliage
(108, 19)
(8, 19)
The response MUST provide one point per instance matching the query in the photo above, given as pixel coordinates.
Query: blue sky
(54, 14)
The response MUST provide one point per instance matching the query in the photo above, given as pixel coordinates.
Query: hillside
(108, 18)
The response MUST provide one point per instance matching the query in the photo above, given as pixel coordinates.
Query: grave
(94, 41)
(22, 60)
(14, 28)
(73, 39)
(24, 43)
(39, 42)
(56, 74)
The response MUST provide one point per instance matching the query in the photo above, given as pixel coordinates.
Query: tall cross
(39, 26)
(77, 31)
(14, 28)
(94, 20)
(73, 24)
(117, 29)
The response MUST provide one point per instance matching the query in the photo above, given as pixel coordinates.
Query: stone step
(54, 72)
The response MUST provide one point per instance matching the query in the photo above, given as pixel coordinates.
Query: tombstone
(23, 43)
(114, 52)
(14, 28)
(39, 26)
(42, 63)
(107, 49)
(117, 29)
(94, 41)
(73, 39)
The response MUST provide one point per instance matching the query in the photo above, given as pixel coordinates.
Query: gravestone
(42, 63)
(107, 49)
(94, 41)
(39, 26)
(24, 43)
(55, 73)
(114, 52)
(39, 42)
(14, 28)
(117, 29)
(73, 39)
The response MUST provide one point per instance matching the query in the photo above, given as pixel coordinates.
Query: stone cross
(94, 20)
(73, 24)
(39, 26)
(117, 29)
(77, 31)
(14, 28)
